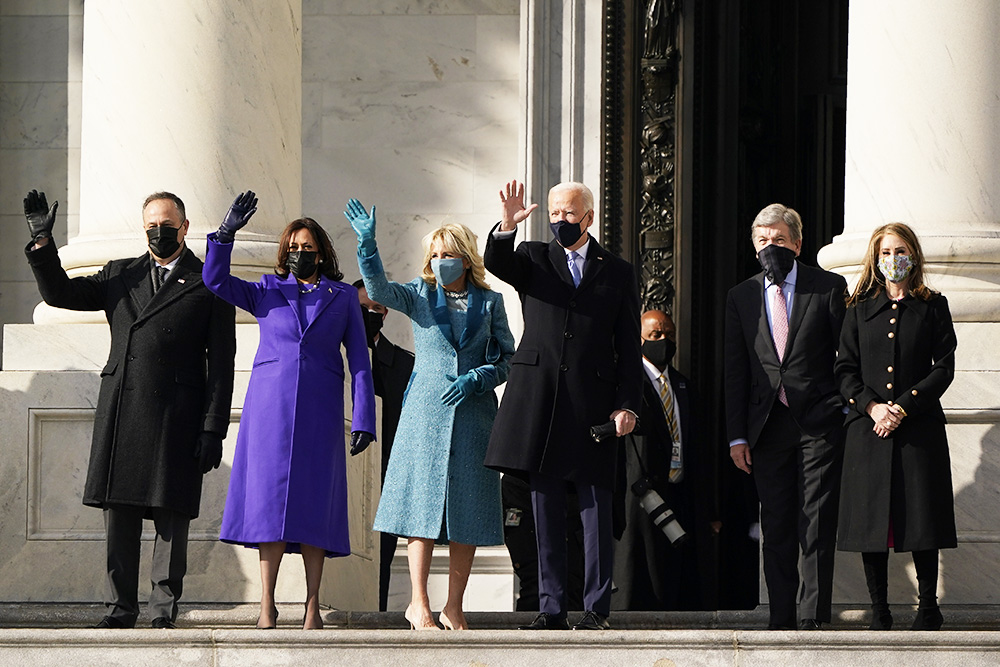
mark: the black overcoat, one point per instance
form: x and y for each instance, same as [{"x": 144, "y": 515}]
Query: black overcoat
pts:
[
  {"x": 169, "y": 376},
  {"x": 904, "y": 353},
  {"x": 579, "y": 360},
  {"x": 650, "y": 573}
]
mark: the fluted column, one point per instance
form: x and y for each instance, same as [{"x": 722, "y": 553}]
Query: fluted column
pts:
[
  {"x": 199, "y": 98},
  {"x": 923, "y": 147}
]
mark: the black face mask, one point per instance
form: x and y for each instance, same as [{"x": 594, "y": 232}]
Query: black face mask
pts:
[
  {"x": 777, "y": 261},
  {"x": 163, "y": 241},
  {"x": 566, "y": 233},
  {"x": 373, "y": 324},
  {"x": 302, "y": 263},
  {"x": 659, "y": 352}
]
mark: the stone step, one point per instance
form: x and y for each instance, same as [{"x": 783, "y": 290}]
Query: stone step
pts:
[{"x": 510, "y": 648}]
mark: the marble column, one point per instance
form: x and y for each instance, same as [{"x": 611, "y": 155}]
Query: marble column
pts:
[
  {"x": 203, "y": 99},
  {"x": 923, "y": 147}
]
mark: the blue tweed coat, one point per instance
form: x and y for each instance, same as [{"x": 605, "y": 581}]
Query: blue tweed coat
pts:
[{"x": 436, "y": 484}]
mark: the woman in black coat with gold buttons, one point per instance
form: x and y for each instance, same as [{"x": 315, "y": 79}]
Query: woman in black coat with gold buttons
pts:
[{"x": 897, "y": 357}]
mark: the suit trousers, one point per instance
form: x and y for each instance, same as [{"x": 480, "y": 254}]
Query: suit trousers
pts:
[
  {"x": 548, "y": 501},
  {"x": 123, "y": 524},
  {"x": 798, "y": 482},
  {"x": 387, "y": 550}
]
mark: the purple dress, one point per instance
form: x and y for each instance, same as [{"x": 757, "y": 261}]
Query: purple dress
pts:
[{"x": 289, "y": 482}]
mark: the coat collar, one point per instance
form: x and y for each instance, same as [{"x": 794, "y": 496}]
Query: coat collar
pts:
[
  {"x": 185, "y": 276},
  {"x": 873, "y": 306},
  {"x": 596, "y": 261},
  {"x": 473, "y": 318},
  {"x": 328, "y": 291}
]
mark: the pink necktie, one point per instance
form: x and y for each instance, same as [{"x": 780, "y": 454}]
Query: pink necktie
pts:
[{"x": 779, "y": 331}]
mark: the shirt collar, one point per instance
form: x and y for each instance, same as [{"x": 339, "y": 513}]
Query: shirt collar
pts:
[
  {"x": 581, "y": 251},
  {"x": 169, "y": 267},
  {"x": 652, "y": 371},
  {"x": 789, "y": 279}
]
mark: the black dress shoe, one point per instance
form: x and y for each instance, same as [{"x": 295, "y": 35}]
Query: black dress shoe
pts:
[
  {"x": 110, "y": 622},
  {"x": 162, "y": 623},
  {"x": 928, "y": 619},
  {"x": 546, "y": 622},
  {"x": 809, "y": 624},
  {"x": 592, "y": 621},
  {"x": 881, "y": 618}
]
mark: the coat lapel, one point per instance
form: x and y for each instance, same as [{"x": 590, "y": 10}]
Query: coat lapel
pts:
[
  {"x": 594, "y": 264},
  {"x": 804, "y": 294},
  {"x": 185, "y": 276},
  {"x": 474, "y": 315},
  {"x": 439, "y": 309},
  {"x": 328, "y": 293},
  {"x": 289, "y": 288},
  {"x": 766, "y": 349},
  {"x": 139, "y": 282},
  {"x": 557, "y": 256}
]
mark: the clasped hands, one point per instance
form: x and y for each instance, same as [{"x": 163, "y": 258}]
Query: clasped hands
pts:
[{"x": 886, "y": 417}]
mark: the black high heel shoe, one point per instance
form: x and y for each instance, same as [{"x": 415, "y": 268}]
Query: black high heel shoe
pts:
[
  {"x": 881, "y": 618},
  {"x": 268, "y": 627}
]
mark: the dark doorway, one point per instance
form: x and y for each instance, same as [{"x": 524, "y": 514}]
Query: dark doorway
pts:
[{"x": 755, "y": 113}]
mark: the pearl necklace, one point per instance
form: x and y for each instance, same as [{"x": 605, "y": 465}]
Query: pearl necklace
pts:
[
  {"x": 457, "y": 295},
  {"x": 313, "y": 287}
]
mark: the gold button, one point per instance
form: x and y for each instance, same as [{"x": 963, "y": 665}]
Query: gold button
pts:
[
  {"x": 892, "y": 335},
  {"x": 914, "y": 392},
  {"x": 851, "y": 401},
  {"x": 889, "y": 369},
  {"x": 888, "y": 385},
  {"x": 892, "y": 321},
  {"x": 895, "y": 306}
]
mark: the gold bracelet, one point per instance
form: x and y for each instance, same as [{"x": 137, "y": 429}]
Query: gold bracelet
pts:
[{"x": 901, "y": 410}]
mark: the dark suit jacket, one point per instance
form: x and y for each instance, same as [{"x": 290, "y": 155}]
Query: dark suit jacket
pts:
[
  {"x": 391, "y": 370},
  {"x": 753, "y": 372},
  {"x": 169, "y": 376},
  {"x": 579, "y": 360},
  {"x": 650, "y": 573}
]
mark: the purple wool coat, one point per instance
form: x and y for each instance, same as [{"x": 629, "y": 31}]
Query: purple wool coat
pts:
[{"x": 289, "y": 482}]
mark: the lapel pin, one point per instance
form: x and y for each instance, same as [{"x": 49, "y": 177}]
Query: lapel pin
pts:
[
  {"x": 330, "y": 290},
  {"x": 180, "y": 280}
]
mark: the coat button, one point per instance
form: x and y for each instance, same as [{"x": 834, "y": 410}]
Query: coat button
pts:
[
  {"x": 302, "y": 357},
  {"x": 567, "y": 335},
  {"x": 563, "y": 367},
  {"x": 888, "y": 385},
  {"x": 895, "y": 306},
  {"x": 851, "y": 401},
  {"x": 889, "y": 369},
  {"x": 572, "y": 304},
  {"x": 892, "y": 320},
  {"x": 914, "y": 392},
  {"x": 892, "y": 335}
]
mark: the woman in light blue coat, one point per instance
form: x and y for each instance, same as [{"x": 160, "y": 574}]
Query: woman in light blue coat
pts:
[{"x": 436, "y": 487}]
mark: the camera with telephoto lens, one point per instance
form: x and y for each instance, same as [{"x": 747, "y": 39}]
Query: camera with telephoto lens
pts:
[
  {"x": 604, "y": 431},
  {"x": 663, "y": 517}
]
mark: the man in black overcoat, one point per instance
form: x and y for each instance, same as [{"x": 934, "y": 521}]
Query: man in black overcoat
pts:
[
  {"x": 783, "y": 406},
  {"x": 164, "y": 403},
  {"x": 578, "y": 365},
  {"x": 650, "y": 573},
  {"x": 392, "y": 366}
]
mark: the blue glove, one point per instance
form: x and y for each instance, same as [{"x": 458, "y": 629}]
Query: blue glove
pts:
[
  {"x": 461, "y": 388},
  {"x": 360, "y": 441},
  {"x": 363, "y": 225},
  {"x": 239, "y": 214}
]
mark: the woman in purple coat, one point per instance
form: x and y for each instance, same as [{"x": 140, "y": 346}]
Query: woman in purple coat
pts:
[{"x": 288, "y": 486}]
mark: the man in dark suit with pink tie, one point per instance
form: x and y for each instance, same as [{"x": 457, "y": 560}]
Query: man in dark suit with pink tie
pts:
[{"x": 784, "y": 414}]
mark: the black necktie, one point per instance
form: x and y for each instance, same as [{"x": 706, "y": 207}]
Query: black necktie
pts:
[{"x": 159, "y": 275}]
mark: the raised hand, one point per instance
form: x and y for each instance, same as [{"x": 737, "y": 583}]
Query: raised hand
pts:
[
  {"x": 514, "y": 211},
  {"x": 40, "y": 217},
  {"x": 461, "y": 388},
  {"x": 239, "y": 214},
  {"x": 363, "y": 225},
  {"x": 360, "y": 441}
]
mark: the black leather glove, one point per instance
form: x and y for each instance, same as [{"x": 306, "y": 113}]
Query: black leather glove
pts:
[
  {"x": 40, "y": 217},
  {"x": 239, "y": 214},
  {"x": 360, "y": 441},
  {"x": 208, "y": 451}
]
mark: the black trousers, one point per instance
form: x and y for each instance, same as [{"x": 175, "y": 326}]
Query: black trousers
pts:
[
  {"x": 123, "y": 524},
  {"x": 798, "y": 482}
]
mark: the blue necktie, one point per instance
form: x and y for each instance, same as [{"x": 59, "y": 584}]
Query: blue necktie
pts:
[{"x": 574, "y": 269}]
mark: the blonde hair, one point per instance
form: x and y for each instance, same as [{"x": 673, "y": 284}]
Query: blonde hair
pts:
[
  {"x": 872, "y": 282},
  {"x": 460, "y": 240}
]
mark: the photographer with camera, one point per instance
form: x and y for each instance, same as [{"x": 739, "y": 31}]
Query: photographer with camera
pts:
[{"x": 665, "y": 487}]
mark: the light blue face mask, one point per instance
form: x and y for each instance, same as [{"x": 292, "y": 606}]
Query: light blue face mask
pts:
[{"x": 447, "y": 270}]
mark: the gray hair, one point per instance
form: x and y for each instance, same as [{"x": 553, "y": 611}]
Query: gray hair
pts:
[
  {"x": 773, "y": 214},
  {"x": 586, "y": 196}
]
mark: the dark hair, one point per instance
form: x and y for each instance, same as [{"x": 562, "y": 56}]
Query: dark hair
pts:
[
  {"x": 166, "y": 195},
  {"x": 359, "y": 284},
  {"x": 328, "y": 265}
]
